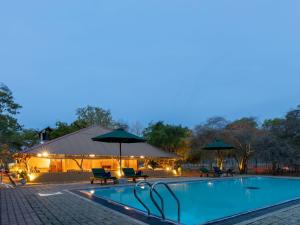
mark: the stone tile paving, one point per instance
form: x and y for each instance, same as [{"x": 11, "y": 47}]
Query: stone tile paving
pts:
[
  {"x": 23, "y": 206},
  {"x": 287, "y": 216}
]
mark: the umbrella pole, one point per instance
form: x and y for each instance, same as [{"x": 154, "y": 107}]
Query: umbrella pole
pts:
[{"x": 120, "y": 159}]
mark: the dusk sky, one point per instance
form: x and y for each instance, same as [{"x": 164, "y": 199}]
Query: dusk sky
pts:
[{"x": 176, "y": 61}]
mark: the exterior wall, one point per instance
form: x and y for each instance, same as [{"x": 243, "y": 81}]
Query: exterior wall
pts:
[{"x": 38, "y": 164}]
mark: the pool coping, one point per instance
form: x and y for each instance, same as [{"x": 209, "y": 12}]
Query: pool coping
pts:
[{"x": 142, "y": 216}]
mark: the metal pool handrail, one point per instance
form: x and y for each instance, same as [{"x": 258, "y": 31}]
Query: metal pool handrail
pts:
[
  {"x": 161, "y": 210},
  {"x": 138, "y": 198}
]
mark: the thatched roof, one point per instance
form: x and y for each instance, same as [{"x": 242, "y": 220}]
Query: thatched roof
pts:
[{"x": 80, "y": 143}]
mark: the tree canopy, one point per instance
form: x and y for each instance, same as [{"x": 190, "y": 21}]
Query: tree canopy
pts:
[{"x": 171, "y": 138}]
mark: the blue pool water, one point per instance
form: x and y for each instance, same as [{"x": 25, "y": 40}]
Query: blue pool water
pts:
[{"x": 203, "y": 201}]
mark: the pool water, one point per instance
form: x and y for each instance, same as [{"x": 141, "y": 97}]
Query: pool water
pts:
[{"x": 203, "y": 201}]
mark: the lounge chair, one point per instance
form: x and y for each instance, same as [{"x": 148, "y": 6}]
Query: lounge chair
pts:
[
  {"x": 131, "y": 174},
  {"x": 229, "y": 172},
  {"x": 100, "y": 174},
  {"x": 217, "y": 172},
  {"x": 204, "y": 171}
]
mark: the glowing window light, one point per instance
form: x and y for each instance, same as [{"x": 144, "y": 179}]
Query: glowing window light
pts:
[{"x": 92, "y": 155}]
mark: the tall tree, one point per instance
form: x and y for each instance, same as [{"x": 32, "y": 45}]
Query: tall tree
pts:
[
  {"x": 292, "y": 126},
  {"x": 243, "y": 134},
  {"x": 205, "y": 133},
  {"x": 62, "y": 129},
  {"x": 87, "y": 116},
  {"x": 276, "y": 151},
  {"x": 91, "y": 115},
  {"x": 8, "y": 123},
  {"x": 171, "y": 138}
]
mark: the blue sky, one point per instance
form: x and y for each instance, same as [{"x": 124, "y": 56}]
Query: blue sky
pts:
[{"x": 177, "y": 61}]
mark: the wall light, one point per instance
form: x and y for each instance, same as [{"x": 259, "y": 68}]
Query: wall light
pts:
[
  {"x": 142, "y": 157},
  {"x": 39, "y": 155},
  {"x": 131, "y": 156},
  {"x": 92, "y": 155},
  {"x": 45, "y": 154}
]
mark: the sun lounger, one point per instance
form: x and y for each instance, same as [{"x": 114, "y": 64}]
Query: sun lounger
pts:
[
  {"x": 100, "y": 174},
  {"x": 217, "y": 172},
  {"x": 131, "y": 174},
  {"x": 204, "y": 171}
]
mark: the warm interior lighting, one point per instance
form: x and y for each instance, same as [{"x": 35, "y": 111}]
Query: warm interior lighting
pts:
[
  {"x": 39, "y": 155},
  {"x": 92, "y": 155},
  {"x": 168, "y": 169},
  {"x": 45, "y": 154},
  {"x": 131, "y": 156},
  {"x": 142, "y": 156}
]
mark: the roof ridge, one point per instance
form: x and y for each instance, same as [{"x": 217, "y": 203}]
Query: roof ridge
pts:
[{"x": 61, "y": 137}]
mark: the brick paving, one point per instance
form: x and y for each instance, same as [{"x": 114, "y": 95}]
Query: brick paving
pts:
[{"x": 23, "y": 206}]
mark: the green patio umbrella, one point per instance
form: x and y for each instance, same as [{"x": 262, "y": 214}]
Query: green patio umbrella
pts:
[
  {"x": 119, "y": 136},
  {"x": 219, "y": 146}
]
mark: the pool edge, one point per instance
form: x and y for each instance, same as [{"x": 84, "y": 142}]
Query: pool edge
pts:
[{"x": 152, "y": 220}]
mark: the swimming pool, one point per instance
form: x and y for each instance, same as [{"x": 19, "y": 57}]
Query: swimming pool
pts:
[{"x": 203, "y": 201}]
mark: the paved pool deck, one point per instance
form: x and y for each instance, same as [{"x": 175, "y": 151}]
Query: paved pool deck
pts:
[{"x": 24, "y": 206}]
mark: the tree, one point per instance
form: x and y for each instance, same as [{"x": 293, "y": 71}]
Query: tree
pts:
[
  {"x": 62, "y": 129},
  {"x": 242, "y": 134},
  {"x": 87, "y": 116},
  {"x": 91, "y": 115},
  {"x": 292, "y": 126},
  {"x": 205, "y": 133},
  {"x": 171, "y": 138},
  {"x": 8, "y": 123},
  {"x": 278, "y": 152}
]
